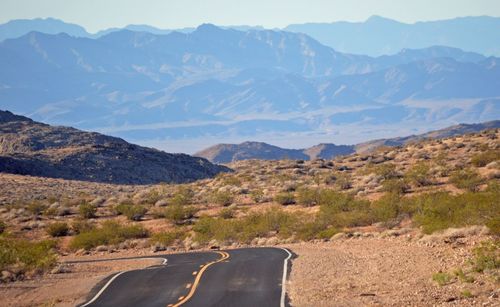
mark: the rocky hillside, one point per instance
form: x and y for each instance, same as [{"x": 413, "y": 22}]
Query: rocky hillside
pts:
[
  {"x": 225, "y": 153},
  {"x": 32, "y": 148}
]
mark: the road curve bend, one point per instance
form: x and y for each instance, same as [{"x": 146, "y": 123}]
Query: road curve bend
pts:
[{"x": 239, "y": 277}]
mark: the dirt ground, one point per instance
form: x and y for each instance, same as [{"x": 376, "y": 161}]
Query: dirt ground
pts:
[{"x": 394, "y": 271}]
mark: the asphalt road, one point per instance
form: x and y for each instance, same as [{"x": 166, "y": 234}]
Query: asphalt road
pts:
[{"x": 241, "y": 277}]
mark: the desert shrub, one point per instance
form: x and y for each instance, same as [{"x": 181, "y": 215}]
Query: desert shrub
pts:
[
  {"x": 167, "y": 238},
  {"x": 231, "y": 180},
  {"x": 273, "y": 221},
  {"x": 110, "y": 232},
  {"x": 3, "y": 226},
  {"x": 482, "y": 159},
  {"x": 79, "y": 226},
  {"x": 36, "y": 208},
  {"x": 487, "y": 256},
  {"x": 257, "y": 195},
  {"x": 386, "y": 208},
  {"x": 343, "y": 182},
  {"x": 132, "y": 212},
  {"x": 58, "y": 229},
  {"x": 398, "y": 186},
  {"x": 494, "y": 226},
  {"x": 342, "y": 210},
  {"x": 308, "y": 196},
  {"x": 467, "y": 179},
  {"x": 442, "y": 278},
  {"x": 223, "y": 198},
  {"x": 87, "y": 210},
  {"x": 419, "y": 174},
  {"x": 462, "y": 276},
  {"x": 386, "y": 170},
  {"x": 284, "y": 198},
  {"x": 183, "y": 197},
  {"x": 441, "y": 210},
  {"x": 26, "y": 255},
  {"x": 179, "y": 214},
  {"x": 227, "y": 213}
]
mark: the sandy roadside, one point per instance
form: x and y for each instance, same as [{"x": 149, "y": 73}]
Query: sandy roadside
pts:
[{"x": 394, "y": 271}]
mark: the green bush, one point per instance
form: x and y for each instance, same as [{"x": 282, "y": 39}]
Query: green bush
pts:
[
  {"x": 284, "y": 198},
  {"x": 167, "y": 238},
  {"x": 183, "y": 197},
  {"x": 487, "y": 256},
  {"x": 386, "y": 208},
  {"x": 36, "y": 208},
  {"x": 223, "y": 198},
  {"x": 271, "y": 222},
  {"x": 343, "y": 182},
  {"x": 132, "y": 212},
  {"x": 79, "y": 226},
  {"x": 257, "y": 195},
  {"x": 58, "y": 229},
  {"x": 179, "y": 214},
  {"x": 442, "y": 278},
  {"x": 467, "y": 179},
  {"x": 397, "y": 186},
  {"x": 420, "y": 175},
  {"x": 437, "y": 211},
  {"x": 227, "y": 213},
  {"x": 110, "y": 232},
  {"x": 308, "y": 196},
  {"x": 87, "y": 210},
  {"x": 482, "y": 159},
  {"x": 26, "y": 255},
  {"x": 386, "y": 170}
]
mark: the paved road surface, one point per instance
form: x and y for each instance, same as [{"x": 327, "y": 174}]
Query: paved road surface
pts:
[{"x": 241, "y": 277}]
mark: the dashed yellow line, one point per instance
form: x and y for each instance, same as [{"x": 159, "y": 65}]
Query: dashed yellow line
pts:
[{"x": 182, "y": 299}]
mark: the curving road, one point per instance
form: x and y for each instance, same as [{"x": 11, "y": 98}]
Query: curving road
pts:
[{"x": 240, "y": 277}]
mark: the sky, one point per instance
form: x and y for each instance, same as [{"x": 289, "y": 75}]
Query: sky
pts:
[{"x": 95, "y": 15}]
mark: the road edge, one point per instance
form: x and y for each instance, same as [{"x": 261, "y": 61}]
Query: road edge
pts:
[{"x": 284, "y": 279}]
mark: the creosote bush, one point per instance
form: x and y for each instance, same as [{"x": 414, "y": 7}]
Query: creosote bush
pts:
[
  {"x": 420, "y": 175},
  {"x": 482, "y": 159},
  {"x": 179, "y": 214},
  {"x": 58, "y": 229},
  {"x": 87, "y": 211},
  {"x": 223, "y": 198},
  {"x": 110, "y": 232},
  {"x": 284, "y": 198},
  {"x": 24, "y": 255},
  {"x": 131, "y": 211},
  {"x": 168, "y": 238},
  {"x": 467, "y": 179}
]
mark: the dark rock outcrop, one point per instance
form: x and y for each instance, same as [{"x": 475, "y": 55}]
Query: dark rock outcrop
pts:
[{"x": 31, "y": 148}]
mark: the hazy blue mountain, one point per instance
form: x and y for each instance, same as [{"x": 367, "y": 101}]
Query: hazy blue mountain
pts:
[
  {"x": 20, "y": 27},
  {"x": 378, "y": 36},
  {"x": 225, "y": 84}
]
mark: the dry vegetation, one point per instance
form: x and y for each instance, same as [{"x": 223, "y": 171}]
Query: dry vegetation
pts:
[{"x": 422, "y": 189}]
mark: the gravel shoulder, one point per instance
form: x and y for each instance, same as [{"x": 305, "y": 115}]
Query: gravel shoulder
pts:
[{"x": 392, "y": 271}]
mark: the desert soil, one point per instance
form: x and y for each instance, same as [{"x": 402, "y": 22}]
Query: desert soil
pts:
[{"x": 394, "y": 271}]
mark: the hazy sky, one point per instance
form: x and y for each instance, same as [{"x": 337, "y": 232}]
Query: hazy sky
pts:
[{"x": 96, "y": 15}]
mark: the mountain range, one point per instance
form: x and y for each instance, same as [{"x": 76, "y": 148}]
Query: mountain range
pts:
[
  {"x": 180, "y": 91},
  {"x": 375, "y": 36},
  {"x": 32, "y": 148},
  {"x": 226, "y": 153}
]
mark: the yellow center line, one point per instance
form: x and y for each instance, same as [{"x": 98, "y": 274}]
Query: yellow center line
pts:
[{"x": 182, "y": 299}]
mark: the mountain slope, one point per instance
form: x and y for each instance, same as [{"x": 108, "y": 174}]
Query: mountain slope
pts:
[
  {"x": 378, "y": 36},
  {"x": 31, "y": 148},
  {"x": 226, "y": 153},
  {"x": 231, "y": 86}
]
